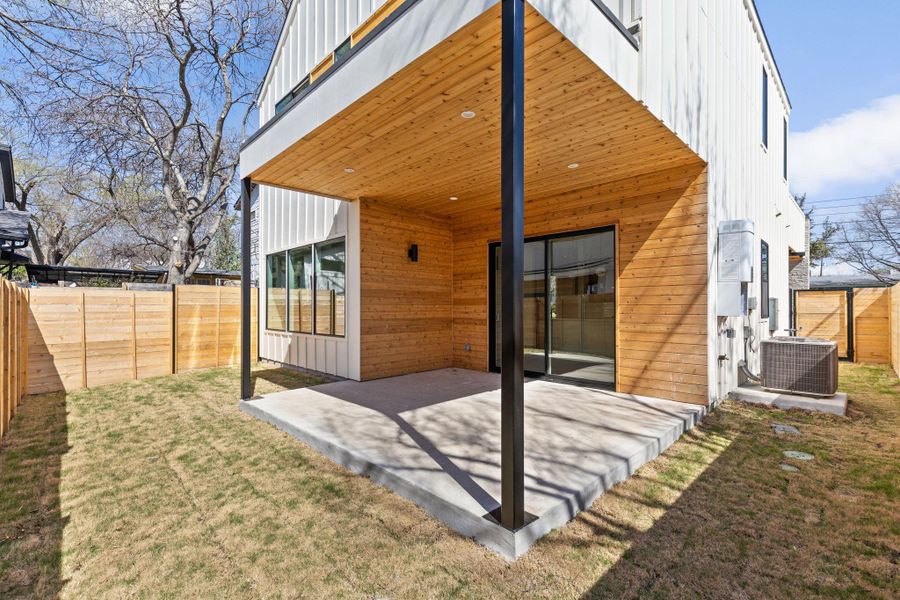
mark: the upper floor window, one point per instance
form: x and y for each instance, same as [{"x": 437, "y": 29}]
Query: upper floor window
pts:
[
  {"x": 785, "y": 157},
  {"x": 282, "y": 104},
  {"x": 765, "y": 108}
]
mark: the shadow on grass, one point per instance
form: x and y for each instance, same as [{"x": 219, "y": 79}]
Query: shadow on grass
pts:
[
  {"x": 282, "y": 378},
  {"x": 31, "y": 522},
  {"x": 744, "y": 528}
]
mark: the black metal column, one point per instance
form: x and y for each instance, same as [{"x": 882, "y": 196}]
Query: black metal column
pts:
[
  {"x": 246, "y": 388},
  {"x": 512, "y": 170}
]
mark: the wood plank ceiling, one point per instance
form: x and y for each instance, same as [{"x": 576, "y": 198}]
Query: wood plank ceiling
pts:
[{"x": 409, "y": 145}]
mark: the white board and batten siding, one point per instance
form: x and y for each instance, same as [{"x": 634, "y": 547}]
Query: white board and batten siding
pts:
[
  {"x": 312, "y": 30},
  {"x": 291, "y": 220},
  {"x": 287, "y": 219}
]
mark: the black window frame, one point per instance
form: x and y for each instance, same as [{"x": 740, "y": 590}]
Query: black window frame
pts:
[
  {"x": 286, "y": 254},
  {"x": 315, "y": 282},
  {"x": 285, "y": 101},
  {"x": 492, "y": 306},
  {"x": 785, "y": 157},
  {"x": 763, "y": 279},
  {"x": 765, "y": 108}
]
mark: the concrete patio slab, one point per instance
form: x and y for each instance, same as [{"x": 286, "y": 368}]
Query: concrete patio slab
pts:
[
  {"x": 434, "y": 438},
  {"x": 754, "y": 394}
]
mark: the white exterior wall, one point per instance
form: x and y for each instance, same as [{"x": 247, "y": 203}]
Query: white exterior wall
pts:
[
  {"x": 290, "y": 220},
  {"x": 701, "y": 74},
  {"x": 313, "y": 29}
]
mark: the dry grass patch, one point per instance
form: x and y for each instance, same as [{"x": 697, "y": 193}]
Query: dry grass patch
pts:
[{"x": 163, "y": 488}]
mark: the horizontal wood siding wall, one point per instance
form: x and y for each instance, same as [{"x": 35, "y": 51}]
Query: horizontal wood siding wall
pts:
[
  {"x": 84, "y": 338},
  {"x": 662, "y": 276},
  {"x": 406, "y": 319},
  {"x": 13, "y": 348}
]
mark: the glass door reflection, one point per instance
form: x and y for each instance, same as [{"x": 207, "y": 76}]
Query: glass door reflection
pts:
[{"x": 582, "y": 307}]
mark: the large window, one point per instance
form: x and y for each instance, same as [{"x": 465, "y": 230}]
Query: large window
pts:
[
  {"x": 330, "y": 295},
  {"x": 765, "y": 108},
  {"x": 306, "y": 289},
  {"x": 276, "y": 286},
  {"x": 764, "y": 281},
  {"x": 300, "y": 277}
]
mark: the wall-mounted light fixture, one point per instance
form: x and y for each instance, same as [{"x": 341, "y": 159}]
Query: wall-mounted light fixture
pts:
[{"x": 413, "y": 253}]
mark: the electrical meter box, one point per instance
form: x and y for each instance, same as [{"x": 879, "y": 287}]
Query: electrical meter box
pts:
[{"x": 737, "y": 243}]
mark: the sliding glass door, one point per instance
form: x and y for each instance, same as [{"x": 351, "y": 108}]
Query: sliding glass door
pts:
[
  {"x": 535, "y": 307},
  {"x": 569, "y": 303}
]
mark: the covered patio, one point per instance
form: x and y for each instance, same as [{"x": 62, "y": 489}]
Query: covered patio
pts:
[
  {"x": 458, "y": 126},
  {"x": 434, "y": 438}
]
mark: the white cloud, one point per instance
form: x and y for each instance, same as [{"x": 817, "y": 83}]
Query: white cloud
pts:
[{"x": 858, "y": 147}]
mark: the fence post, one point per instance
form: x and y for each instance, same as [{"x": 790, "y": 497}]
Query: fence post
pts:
[
  {"x": 26, "y": 294},
  {"x": 174, "y": 329},
  {"x": 13, "y": 343},
  {"x": 134, "y": 368},
  {"x": 218, "y": 323},
  {"x": 4, "y": 349},
  {"x": 84, "y": 380}
]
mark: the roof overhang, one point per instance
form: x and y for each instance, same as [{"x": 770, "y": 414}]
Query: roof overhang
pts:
[
  {"x": 387, "y": 125},
  {"x": 13, "y": 228}
]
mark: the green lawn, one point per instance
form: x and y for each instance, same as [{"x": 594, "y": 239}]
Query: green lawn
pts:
[{"x": 164, "y": 489}]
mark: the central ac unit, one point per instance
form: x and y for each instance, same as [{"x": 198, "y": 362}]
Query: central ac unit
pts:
[{"x": 802, "y": 365}]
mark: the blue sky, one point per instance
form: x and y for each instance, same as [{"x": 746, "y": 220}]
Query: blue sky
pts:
[{"x": 841, "y": 64}]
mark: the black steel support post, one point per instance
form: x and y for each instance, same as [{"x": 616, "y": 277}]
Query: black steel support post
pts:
[
  {"x": 512, "y": 170},
  {"x": 246, "y": 388}
]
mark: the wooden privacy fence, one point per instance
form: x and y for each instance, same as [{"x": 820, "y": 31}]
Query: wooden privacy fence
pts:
[
  {"x": 860, "y": 320},
  {"x": 13, "y": 341},
  {"x": 80, "y": 338}
]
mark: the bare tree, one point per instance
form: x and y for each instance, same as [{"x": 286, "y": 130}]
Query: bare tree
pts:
[
  {"x": 64, "y": 210},
  {"x": 821, "y": 246},
  {"x": 871, "y": 241},
  {"x": 155, "y": 91}
]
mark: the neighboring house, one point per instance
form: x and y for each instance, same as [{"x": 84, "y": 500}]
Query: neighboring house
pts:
[
  {"x": 13, "y": 223},
  {"x": 649, "y": 126}
]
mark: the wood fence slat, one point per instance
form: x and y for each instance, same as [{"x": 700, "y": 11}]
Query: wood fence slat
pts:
[
  {"x": 76, "y": 338},
  {"x": 13, "y": 310}
]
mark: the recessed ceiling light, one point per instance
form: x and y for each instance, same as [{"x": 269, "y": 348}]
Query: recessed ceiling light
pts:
[
  {"x": 574, "y": 166},
  {"x": 467, "y": 114},
  {"x": 454, "y": 198},
  {"x": 349, "y": 170}
]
